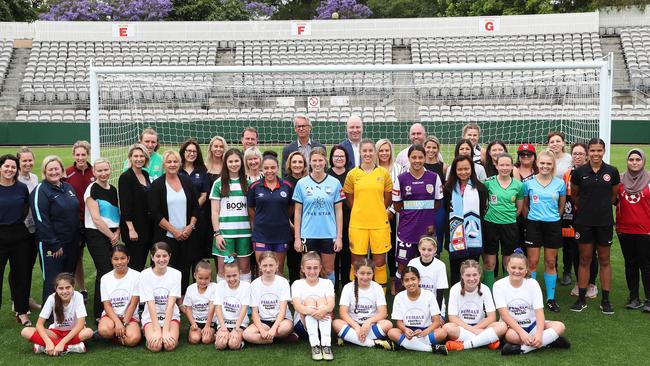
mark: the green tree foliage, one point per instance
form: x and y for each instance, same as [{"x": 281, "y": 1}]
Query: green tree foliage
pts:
[
  {"x": 295, "y": 9},
  {"x": 17, "y": 11},
  {"x": 197, "y": 10}
]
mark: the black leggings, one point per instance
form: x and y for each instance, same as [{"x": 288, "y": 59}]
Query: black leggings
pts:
[
  {"x": 636, "y": 253},
  {"x": 15, "y": 242},
  {"x": 99, "y": 247}
]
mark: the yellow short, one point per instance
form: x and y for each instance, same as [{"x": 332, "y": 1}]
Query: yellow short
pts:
[{"x": 378, "y": 240}]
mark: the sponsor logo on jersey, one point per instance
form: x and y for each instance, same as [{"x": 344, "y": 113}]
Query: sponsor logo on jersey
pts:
[
  {"x": 309, "y": 191},
  {"x": 577, "y": 236},
  {"x": 607, "y": 177},
  {"x": 283, "y": 194},
  {"x": 535, "y": 198},
  {"x": 328, "y": 190}
]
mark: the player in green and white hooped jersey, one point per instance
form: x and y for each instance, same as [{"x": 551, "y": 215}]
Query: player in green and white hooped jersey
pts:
[{"x": 232, "y": 229}]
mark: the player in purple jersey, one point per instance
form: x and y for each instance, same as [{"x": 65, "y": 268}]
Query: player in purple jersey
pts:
[{"x": 417, "y": 194}]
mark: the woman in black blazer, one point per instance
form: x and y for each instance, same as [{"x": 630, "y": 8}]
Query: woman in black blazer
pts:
[
  {"x": 174, "y": 207},
  {"x": 135, "y": 224}
]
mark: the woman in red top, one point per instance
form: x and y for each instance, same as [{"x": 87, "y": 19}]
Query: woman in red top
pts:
[{"x": 633, "y": 227}]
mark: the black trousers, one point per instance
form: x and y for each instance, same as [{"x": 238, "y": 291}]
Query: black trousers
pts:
[
  {"x": 636, "y": 253},
  {"x": 343, "y": 259},
  {"x": 180, "y": 258},
  {"x": 99, "y": 247},
  {"x": 15, "y": 248},
  {"x": 139, "y": 249}
]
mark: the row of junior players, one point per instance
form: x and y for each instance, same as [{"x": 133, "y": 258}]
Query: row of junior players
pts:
[{"x": 362, "y": 320}]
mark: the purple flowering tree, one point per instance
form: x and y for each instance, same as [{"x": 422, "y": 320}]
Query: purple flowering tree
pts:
[
  {"x": 346, "y": 9},
  {"x": 259, "y": 10},
  {"x": 94, "y": 10}
]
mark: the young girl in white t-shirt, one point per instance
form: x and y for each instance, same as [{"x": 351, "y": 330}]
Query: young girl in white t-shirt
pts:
[
  {"x": 418, "y": 317},
  {"x": 231, "y": 301},
  {"x": 520, "y": 303},
  {"x": 313, "y": 300},
  {"x": 363, "y": 310},
  {"x": 472, "y": 315},
  {"x": 68, "y": 331},
  {"x": 198, "y": 306},
  {"x": 270, "y": 296},
  {"x": 120, "y": 297},
  {"x": 433, "y": 273},
  {"x": 160, "y": 287}
]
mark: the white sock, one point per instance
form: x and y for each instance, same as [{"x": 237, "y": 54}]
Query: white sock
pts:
[
  {"x": 219, "y": 279},
  {"x": 325, "y": 326},
  {"x": 246, "y": 277},
  {"x": 311, "y": 324},
  {"x": 465, "y": 335},
  {"x": 482, "y": 339},
  {"x": 549, "y": 336},
  {"x": 352, "y": 337},
  {"x": 416, "y": 344}
]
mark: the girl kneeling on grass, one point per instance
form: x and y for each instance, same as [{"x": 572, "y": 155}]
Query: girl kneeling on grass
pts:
[
  {"x": 363, "y": 310},
  {"x": 160, "y": 287},
  {"x": 472, "y": 316},
  {"x": 313, "y": 299},
  {"x": 418, "y": 317},
  {"x": 197, "y": 305},
  {"x": 231, "y": 300},
  {"x": 68, "y": 331},
  {"x": 433, "y": 273},
  {"x": 518, "y": 298},
  {"x": 120, "y": 296},
  {"x": 270, "y": 296}
]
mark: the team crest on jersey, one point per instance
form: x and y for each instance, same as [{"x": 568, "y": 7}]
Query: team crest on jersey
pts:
[
  {"x": 309, "y": 191},
  {"x": 197, "y": 175},
  {"x": 328, "y": 190},
  {"x": 513, "y": 198},
  {"x": 408, "y": 190},
  {"x": 71, "y": 194},
  {"x": 632, "y": 198},
  {"x": 429, "y": 188},
  {"x": 493, "y": 198},
  {"x": 283, "y": 194},
  {"x": 607, "y": 177},
  {"x": 535, "y": 198},
  {"x": 577, "y": 235}
]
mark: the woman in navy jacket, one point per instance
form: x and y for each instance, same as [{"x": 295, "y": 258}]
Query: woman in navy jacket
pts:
[
  {"x": 174, "y": 207},
  {"x": 55, "y": 208}
]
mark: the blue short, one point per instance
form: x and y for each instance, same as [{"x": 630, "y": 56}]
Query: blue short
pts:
[{"x": 264, "y": 247}]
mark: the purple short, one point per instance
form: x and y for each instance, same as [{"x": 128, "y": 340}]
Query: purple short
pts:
[
  {"x": 263, "y": 247},
  {"x": 404, "y": 252}
]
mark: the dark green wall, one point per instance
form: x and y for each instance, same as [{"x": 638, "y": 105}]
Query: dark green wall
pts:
[{"x": 49, "y": 133}]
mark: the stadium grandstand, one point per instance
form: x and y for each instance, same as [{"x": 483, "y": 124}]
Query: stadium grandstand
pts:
[{"x": 44, "y": 69}]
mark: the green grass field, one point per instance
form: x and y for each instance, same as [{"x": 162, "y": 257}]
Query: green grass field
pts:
[{"x": 622, "y": 338}]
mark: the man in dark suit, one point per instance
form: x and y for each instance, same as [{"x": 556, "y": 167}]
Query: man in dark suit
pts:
[
  {"x": 304, "y": 143},
  {"x": 351, "y": 144}
]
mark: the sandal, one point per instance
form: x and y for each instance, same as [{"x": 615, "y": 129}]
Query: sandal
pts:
[{"x": 26, "y": 323}]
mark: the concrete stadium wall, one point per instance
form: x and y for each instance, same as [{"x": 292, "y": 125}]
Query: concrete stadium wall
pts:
[
  {"x": 51, "y": 133},
  {"x": 320, "y": 29}
]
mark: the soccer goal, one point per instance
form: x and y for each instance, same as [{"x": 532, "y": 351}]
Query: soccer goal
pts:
[{"x": 514, "y": 102}]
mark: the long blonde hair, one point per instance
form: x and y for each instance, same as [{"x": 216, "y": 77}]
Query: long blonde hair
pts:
[
  {"x": 378, "y": 145},
  {"x": 210, "y": 158}
]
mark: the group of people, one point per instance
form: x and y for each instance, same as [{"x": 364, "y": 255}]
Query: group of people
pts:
[{"x": 353, "y": 218}]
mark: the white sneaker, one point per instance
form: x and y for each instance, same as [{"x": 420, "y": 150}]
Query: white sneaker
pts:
[
  {"x": 77, "y": 348},
  {"x": 39, "y": 349},
  {"x": 592, "y": 291},
  {"x": 574, "y": 291}
]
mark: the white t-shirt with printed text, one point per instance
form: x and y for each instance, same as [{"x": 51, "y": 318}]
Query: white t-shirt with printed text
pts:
[
  {"x": 321, "y": 290},
  {"x": 159, "y": 289},
  {"x": 73, "y": 311},
  {"x": 120, "y": 291},
  {"x": 418, "y": 313},
  {"x": 433, "y": 276},
  {"x": 471, "y": 307},
  {"x": 267, "y": 298},
  {"x": 521, "y": 301},
  {"x": 232, "y": 301},
  {"x": 369, "y": 300},
  {"x": 200, "y": 302}
]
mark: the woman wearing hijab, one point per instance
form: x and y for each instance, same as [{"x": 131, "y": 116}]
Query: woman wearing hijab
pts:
[{"x": 633, "y": 226}]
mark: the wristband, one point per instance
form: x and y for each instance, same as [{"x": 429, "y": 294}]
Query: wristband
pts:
[{"x": 217, "y": 232}]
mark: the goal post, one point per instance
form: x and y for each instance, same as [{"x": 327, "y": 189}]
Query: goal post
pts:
[{"x": 514, "y": 102}]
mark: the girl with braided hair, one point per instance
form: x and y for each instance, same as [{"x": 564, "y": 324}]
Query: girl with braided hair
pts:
[
  {"x": 472, "y": 315},
  {"x": 362, "y": 310}
]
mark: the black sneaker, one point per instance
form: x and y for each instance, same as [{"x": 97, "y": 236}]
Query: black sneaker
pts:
[
  {"x": 646, "y": 306},
  {"x": 578, "y": 306},
  {"x": 510, "y": 349},
  {"x": 560, "y": 342},
  {"x": 440, "y": 349},
  {"x": 634, "y": 304},
  {"x": 566, "y": 279},
  {"x": 553, "y": 306},
  {"x": 606, "y": 308}
]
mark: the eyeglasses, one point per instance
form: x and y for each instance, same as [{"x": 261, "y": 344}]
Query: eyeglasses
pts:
[
  {"x": 338, "y": 157},
  {"x": 578, "y": 154},
  {"x": 190, "y": 152},
  {"x": 526, "y": 155},
  {"x": 299, "y": 127}
]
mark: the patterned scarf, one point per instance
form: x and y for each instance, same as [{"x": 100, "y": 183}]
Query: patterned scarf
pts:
[{"x": 465, "y": 223}]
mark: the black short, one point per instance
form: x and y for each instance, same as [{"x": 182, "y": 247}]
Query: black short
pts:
[
  {"x": 202, "y": 325},
  {"x": 325, "y": 246},
  {"x": 505, "y": 234},
  {"x": 269, "y": 323},
  {"x": 544, "y": 234},
  {"x": 598, "y": 235}
]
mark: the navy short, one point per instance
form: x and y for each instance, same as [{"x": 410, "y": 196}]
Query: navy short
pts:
[
  {"x": 598, "y": 235},
  {"x": 544, "y": 234},
  {"x": 325, "y": 246}
]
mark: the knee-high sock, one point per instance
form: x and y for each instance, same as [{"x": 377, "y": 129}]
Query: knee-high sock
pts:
[
  {"x": 549, "y": 336},
  {"x": 533, "y": 274},
  {"x": 414, "y": 344},
  {"x": 350, "y": 335},
  {"x": 550, "y": 281},
  {"x": 488, "y": 277},
  {"x": 381, "y": 276},
  {"x": 246, "y": 277},
  {"x": 312, "y": 329},
  {"x": 482, "y": 339},
  {"x": 332, "y": 277},
  {"x": 465, "y": 335},
  {"x": 325, "y": 326}
]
